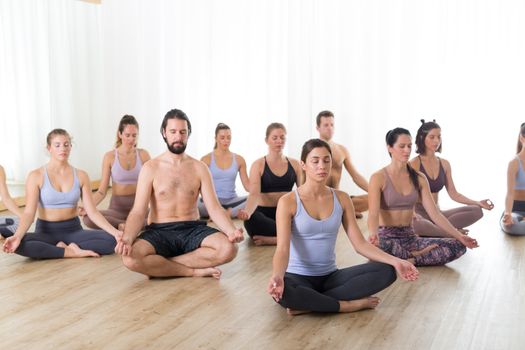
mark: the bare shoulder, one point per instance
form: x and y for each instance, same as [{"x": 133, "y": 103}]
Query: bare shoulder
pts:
[
  {"x": 239, "y": 159},
  {"x": 109, "y": 156},
  {"x": 445, "y": 163},
  {"x": 288, "y": 202},
  {"x": 258, "y": 164},
  {"x": 415, "y": 163},
  {"x": 144, "y": 155},
  {"x": 514, "y": 164},
  {"x": 378, "y": 175},
  {"x": 206, "y": 159},
  {"x": 343, "y": 197},
  {"x": 295, "y": 163}
]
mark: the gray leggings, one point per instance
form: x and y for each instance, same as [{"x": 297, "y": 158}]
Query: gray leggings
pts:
[
  {"x": 42, "y": 243},
  {"x": 323, "y": 293},
  {"x": 518, "y": 224},
  {"x": 459, "y": 218},
  {"x": 234, "y": 203},
  {"x": 8, "y": 225}
]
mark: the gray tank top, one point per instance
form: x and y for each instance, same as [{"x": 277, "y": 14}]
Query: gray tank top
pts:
[{"x": 312, "y": 246}]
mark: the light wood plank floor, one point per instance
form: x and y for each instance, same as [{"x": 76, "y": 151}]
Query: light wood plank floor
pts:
[{"x": 476, "y": 302}]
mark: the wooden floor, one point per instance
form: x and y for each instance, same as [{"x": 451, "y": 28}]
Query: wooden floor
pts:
[{"x": 477, "y": 302}]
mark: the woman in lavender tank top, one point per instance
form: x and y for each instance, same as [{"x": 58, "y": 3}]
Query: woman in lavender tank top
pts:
[
  {"x": 305, "y": 277},
  {"x": 224, "y": 166},
  {"x": 439, "y": 175},
  {"x": 122, "y": 165},
  {"x": 393, "y": 193}
]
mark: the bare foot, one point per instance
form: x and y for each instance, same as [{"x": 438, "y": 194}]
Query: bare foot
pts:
[
  {"x": 358, "y": 215},
  {"x": 264, "y": 240},
  {"x": 359, "y": 304},
  {"x": 292, "y": 312},
  {"x": 61, "y": 245},
  {"x": 463, "y": 231},
  {"x": 121, "y": 226},
  {"x": 208, "y": 272},
  {"x": 74, "y": 251},
  {"x": 424, "y": 250}
]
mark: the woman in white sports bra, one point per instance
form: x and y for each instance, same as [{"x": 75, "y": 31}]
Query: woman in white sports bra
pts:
[
  {"x": 224, "y": 166},
  {"x": 512, "y": 219},
  {"x": 123, "y": 165},
  {"x": 54, "y": 191},
  {"x": 305, "y": 276}
]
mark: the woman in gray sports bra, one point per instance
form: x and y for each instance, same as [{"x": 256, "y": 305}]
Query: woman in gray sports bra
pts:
[
  {"x": 8, "y": 224},
  {"x": 54, "y": 190},
  {"x": 224, "y": 166},
  {"x": 439, "y": 175},
  {"x": 512, "y": 219},
  {"x": 392, "y": 194},
  {"x": 305, "y": 277}
]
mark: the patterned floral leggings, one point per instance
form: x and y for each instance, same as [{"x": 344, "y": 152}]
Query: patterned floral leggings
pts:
[{"x": 401, "y": 241}]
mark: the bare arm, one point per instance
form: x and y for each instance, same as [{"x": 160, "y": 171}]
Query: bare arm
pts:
[
  {"x": 217, "y": 213},
  {"x": 135, "y": 219},
  {"x": 255, "y": 191},
  {"x": 298, "y": 172},
  {"x": 6, "y": 198},
  {"x": 512, "y": 170},
  {"x": 455, "y": 195},
  {"x": 374, "y": 199},
  {"x": 404, "y": 268},
  {"x": 144, "y": 155},
  {"x": 438, "y": 218},
  {"x": 356, "y": 176},
  {"x": 91, "y": 209},
  {"x": 243, "y": 173},
  {"x": 104, "y": 180},
  {"x": 28, "y": 215},
  {"x": 286, "y": 208}
]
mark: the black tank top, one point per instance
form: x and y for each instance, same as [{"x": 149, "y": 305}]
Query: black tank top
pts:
[{"x": 273, "y": 183}]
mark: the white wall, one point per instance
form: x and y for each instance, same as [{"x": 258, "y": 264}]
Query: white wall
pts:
[{"x": 375, "y": 64}]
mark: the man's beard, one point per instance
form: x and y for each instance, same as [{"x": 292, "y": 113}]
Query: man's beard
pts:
[{"x": 176, "y": 149}]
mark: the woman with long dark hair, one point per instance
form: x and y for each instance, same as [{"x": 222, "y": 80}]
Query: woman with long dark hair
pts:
[{"x": 393, "y": 193}]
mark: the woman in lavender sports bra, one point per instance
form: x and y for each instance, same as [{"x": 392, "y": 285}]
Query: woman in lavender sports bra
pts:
[
  {"x": 54, "y": 190},
  {"x": 305, "y": 276},
  {"x": 392, "y": 195},
  {"x": 439, "y": 174},
  {"x": 123, "y": 165},
  {"x": 512, "y": 219},
  {"x": 224, "y": 167}
]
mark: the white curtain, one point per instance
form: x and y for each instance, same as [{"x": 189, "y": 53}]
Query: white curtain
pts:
[
  {"x": 375, "y": 64},
  {"x": 50, "y": 77}
]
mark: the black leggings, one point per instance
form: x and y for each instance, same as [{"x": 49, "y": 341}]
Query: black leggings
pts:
[
  {"x": 322, "y": 293},
  {"x": 42, "y": 243},
  {"x": 262, "y": 222}
]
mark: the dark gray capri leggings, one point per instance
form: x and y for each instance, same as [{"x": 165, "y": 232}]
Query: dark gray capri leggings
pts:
[
  {"x": 42, "y": 243},
  {"x": 518, "y": 220},
  {"x": 8, "y": 225},
  {"x": 322, "y": 293}
]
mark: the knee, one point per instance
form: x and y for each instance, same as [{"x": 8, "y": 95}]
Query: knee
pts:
[
  {"x": 388, "y": 274},
  {"x": 227, "y": 252},
  {"x": 478, "y": 212},
  {"x": 132, "y": 263}
]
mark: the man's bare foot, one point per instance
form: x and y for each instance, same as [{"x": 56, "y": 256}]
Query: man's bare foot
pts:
[
  {"x": 264, "y": 240},
  {"x": 424, "y": 250},
  {"x": 358, "y": 215},
  {"x": 61, "y": 245},
  {"x": 208, "y": 272},
  {"x": 463, "y": 231},
  {"x": 74, "y": 251},
  {"x": 292, "y": 312},
  {"x": 359, "y": 304}
]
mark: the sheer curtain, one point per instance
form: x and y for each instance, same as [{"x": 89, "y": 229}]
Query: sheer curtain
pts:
[
  {"x": 376, "y": 64},
  {"x": 50, "y": 77}
]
